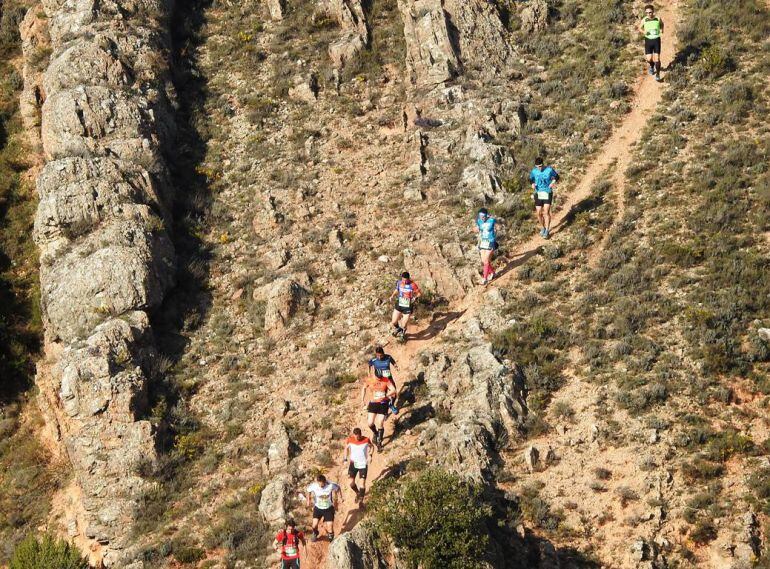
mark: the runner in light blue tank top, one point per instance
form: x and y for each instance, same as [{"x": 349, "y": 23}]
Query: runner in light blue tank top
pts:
[
  {"x": 486, "y": 227},
  {"x": 543, "y": 179}
]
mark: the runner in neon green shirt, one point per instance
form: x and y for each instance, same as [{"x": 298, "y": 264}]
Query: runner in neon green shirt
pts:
[{"x": 651, "y": 27}]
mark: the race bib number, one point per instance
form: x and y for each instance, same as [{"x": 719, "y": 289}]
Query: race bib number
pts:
[
  {"x": 385, "y": 373},
  {"x": 404, "y": 301},
  {"x": 485, "y": 244},
  {"x": 380, "y": 394},
  {"x": 324, "y": 502},
  {"x": 290, "y": 550},
  {"x": 359, "y": 464},
  {"x": 543, "y": 195}
]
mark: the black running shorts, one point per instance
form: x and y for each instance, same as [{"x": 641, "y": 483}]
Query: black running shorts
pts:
[
  {"x": 353, "y": 471},
  {"x": 492, "y": 247},
  {"x": 404, "y": 309},
  {"x": 541, "y": 203},
  {"x": 290, "y": 563},
  {"x": 326, "y": 515},
  {"x": 651, "y": 46},
  {"x": 377, "y": 408}
]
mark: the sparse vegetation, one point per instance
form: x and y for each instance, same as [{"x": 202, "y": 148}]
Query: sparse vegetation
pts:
[{"x": 27, "y": 481}]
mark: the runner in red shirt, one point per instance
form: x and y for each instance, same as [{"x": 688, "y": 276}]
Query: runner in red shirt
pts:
[{"x": 287, "y": 541}]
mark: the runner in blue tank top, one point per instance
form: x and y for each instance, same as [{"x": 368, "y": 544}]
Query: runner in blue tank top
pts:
[
  {"x": 543, "y": 180},
  {"x": 380, "y": 366},
  {"x": 486, "y": 227}
]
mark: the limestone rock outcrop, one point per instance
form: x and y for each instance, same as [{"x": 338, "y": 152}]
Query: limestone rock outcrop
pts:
[
  {"x": 443, "y": 36},
  {"x": 534, "y": 16},
  {"x": 351, "y": 17},
  {"x": 355, "y": 549},
  {"x": 484, "y": 398},
  {"x": 431, "y": 57},
  {"x": 106, "y": 256}
]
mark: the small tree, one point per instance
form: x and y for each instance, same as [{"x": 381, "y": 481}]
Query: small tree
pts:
[
  {"x": 46, "y": 553},
  {"x": 437, "y": 520}
]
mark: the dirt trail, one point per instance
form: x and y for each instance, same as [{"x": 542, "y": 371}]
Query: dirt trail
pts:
[{"x": 615, "y": 152}]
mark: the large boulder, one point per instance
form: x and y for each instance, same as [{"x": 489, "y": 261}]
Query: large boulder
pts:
[
  {"x": 272, "y": 502},
  {"x": 283, "y": 299},
  {"x": 122, "y": 267},
  {"x": 351, "y": 17},
  {"x": 480, "y": 34},
  {"x": 534, "y": 16},
  {"x": 443, "y": 36},
  {"x": 485, "y": 400},
  {"x": 99, "y": 121},
  {"x": 355, "y": 549},
  {"x": 78, "y": 194},
  {"x": 431, "y": 57},
  {"x": 101, "y": 387}
]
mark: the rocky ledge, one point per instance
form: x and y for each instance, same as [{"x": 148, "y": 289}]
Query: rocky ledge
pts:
[{"x": 106, "y": 256}]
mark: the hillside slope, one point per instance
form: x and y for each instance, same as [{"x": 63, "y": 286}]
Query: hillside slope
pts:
[{"x": 231, "y": 191}]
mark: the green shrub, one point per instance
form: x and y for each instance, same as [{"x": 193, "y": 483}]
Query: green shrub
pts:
[
  {"x": 703, "y": 532},
  {"x": 537, "y": 510},
  {"x": 438, "y": 520},
  {"x": 715, "y": 62},
  {"x": 46, "y": 553},
  {"x": 699, "y": 469}
]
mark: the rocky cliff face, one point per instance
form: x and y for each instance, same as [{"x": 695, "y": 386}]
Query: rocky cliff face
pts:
[{"x": 106, "y": 256}]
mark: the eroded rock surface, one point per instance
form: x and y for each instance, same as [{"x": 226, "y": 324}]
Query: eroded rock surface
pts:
[
  {"x": 106, "y": 256},
  {"x": 443, "y": 36}
]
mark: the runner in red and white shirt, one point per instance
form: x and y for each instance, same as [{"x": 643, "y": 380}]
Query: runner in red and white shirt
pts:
[
  {"x": 358, "y": 450},
  {"x": 288, "y": 541}
]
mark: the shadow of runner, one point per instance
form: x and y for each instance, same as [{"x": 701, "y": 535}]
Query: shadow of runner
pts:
[
  {"x": 517, "y": 261},
  {"x": 439, "y": 323},
  {"x": 354, "y": 516}
]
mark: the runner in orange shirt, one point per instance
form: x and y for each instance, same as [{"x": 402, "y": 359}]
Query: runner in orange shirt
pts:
[{"x": 383, "y": 394}]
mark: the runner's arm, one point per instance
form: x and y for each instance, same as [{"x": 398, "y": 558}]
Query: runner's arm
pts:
[
  {"x": 554, "y": 179},
  {"x": 276, "y": 543},
  {"x": 363, "y": 394},
  {"x": 661, "y": 25},
  {"x": 641, "y": 26},
  {"x": 345, "y": 453},
  {"x": 310, "y": 499}
]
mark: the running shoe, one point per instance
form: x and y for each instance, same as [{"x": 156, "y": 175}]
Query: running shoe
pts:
[
  {"x": 314, "y": 538},
  {"x": 542, "y": 232},
  {"x": 546, "y": 234}
]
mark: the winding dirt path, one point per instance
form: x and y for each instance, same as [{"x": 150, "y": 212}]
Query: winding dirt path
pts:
[{"x": 615, "y": 153}]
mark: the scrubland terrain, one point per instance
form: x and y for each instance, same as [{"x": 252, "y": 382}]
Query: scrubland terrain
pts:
[{"x": 227, "y": 194}]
